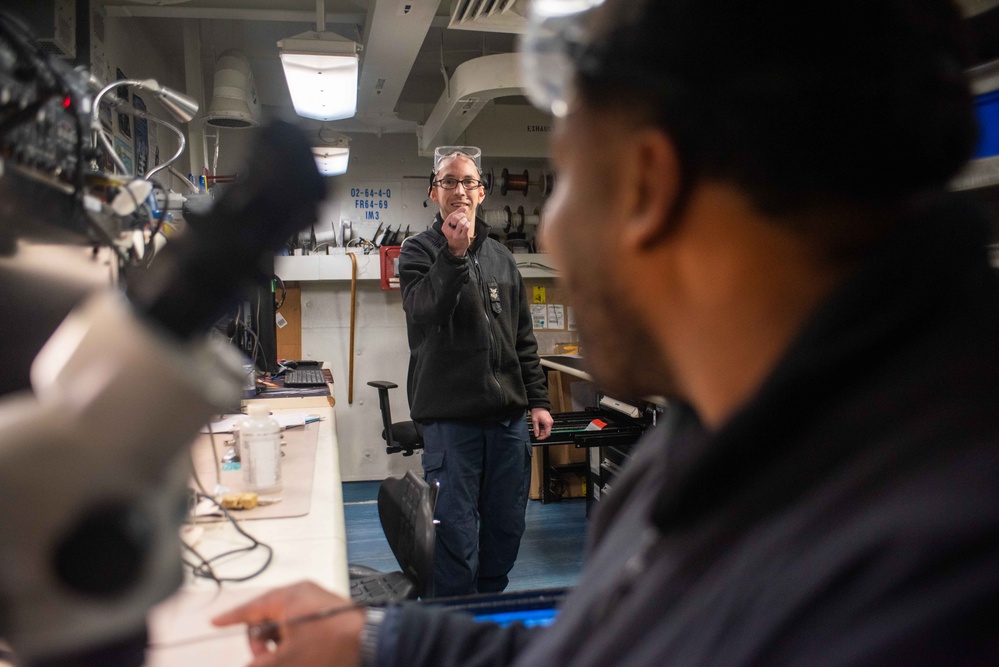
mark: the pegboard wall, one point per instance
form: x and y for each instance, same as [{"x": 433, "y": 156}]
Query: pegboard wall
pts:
[{"x": 386, "y": 183}]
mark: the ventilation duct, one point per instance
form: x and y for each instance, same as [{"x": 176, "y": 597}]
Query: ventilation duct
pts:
[
  {"x": 475, "y": 83},
  {"x": 54, "y": 24},
  {"x": 234, "y": 96},
  {"x": 489, "y": 15}
]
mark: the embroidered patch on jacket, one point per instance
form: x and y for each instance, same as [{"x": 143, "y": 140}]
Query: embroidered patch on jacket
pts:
[{"x": 494, "y": 297}]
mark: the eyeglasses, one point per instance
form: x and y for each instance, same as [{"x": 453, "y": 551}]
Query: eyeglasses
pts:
[{"x": 449, "y": 183}]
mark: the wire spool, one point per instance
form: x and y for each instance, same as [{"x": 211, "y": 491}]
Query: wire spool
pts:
[
  {"x": 488, "y": 178},
  {"x": 513, "y": 183},
  {"x": 547, "y": 183},
  {"x": 518, "y": 218},
  {"x": 538, "y": 232},
  {"x": 509, "y": 219},
  {"x": 497, "y": 219},
  {"x": 533, "y": 219},
  {"x": 515, "y": 238},
  {"x": 518, "y": 245}
]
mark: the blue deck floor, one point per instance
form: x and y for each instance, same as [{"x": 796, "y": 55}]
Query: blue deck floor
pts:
[{"x": 551, "y": 552}]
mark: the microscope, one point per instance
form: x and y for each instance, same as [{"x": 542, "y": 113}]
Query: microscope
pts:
[{"x": 106, "y": 387}]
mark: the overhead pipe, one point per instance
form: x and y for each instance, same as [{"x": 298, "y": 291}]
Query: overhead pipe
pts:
[
  {"x": 195, "y": 86},
  {"x": 473, "y": 84},
  {"x": 228, "y": 13}
]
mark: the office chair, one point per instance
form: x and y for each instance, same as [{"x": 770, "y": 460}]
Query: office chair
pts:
[
  {"x": 406, "y": 510},
  {"x": 405, "y": 437}
]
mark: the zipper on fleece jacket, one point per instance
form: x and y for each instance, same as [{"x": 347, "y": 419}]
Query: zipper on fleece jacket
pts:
[{"x": 493, "y": 355}]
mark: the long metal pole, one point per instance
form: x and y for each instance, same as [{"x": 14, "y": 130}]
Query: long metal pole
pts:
[{"x": 353, "y": 306}]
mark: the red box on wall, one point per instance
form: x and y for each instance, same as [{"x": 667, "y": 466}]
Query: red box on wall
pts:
[{"x": 389, "y": 256}]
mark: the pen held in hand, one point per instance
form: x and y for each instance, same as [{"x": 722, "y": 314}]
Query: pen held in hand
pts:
[
  {"x": 269, "y": 630},
  {"x": 263, "y": 631}
]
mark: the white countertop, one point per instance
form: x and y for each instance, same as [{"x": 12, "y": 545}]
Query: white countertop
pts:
[{"x": 311, "y": 547}]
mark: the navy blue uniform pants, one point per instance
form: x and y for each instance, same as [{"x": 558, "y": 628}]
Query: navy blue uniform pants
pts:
[{"x": 484, "y": 472}]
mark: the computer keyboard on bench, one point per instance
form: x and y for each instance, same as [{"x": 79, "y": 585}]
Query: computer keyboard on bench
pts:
[{"x": 305, "y": 377}]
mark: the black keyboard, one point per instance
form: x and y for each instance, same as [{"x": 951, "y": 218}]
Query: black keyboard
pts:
[{"x": 305, "y": 377}]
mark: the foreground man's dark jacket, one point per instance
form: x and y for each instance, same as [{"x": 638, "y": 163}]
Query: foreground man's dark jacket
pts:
[{"x": 848, "y": 514}]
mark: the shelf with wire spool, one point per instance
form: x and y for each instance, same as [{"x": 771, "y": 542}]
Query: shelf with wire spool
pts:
[{"x": 522, "y": 183}]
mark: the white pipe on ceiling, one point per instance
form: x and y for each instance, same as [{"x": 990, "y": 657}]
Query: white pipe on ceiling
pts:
[{"x": 234, "y": 14}]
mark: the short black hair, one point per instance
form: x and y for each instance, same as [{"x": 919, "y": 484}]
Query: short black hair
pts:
[{"x": 863, "y": 102}]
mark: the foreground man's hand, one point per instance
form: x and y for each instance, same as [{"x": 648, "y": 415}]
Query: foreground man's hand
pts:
[{"x": 335, "y": 640}]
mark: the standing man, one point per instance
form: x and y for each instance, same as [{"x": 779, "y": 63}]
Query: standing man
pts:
[
  {"x": 473, "y": 372},
  {"x": 752, "y": 214}
]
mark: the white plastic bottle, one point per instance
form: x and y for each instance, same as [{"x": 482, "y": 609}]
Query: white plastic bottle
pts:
[{"x": 260, "y": 449}]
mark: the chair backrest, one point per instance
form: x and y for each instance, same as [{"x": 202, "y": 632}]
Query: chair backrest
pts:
[{"x": 406, "y": 510}]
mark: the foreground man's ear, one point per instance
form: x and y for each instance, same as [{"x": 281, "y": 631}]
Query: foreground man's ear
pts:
[{"x": 655, "y": 192}]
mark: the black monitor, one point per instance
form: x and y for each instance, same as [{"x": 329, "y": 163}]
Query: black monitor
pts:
[
  {"x": 263, "y": 323},
  {"x": 250, "y": 324},
  {"x": 260, "y": 318}
]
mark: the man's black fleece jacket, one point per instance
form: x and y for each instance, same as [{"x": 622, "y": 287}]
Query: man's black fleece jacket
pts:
[{"x": 473, "y": 355}]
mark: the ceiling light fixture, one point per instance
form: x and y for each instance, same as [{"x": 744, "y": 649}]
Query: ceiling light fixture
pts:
[
  {"x": 321, "y": 70},
  {"x": 331, "y": 158}
]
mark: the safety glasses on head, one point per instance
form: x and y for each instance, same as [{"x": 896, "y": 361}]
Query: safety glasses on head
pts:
[
  {"x": 443, "y": 152},
  {"x": 550, "y": 51}
]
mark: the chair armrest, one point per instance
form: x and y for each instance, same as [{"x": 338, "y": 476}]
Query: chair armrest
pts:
[{"x": 383, "y": 384}]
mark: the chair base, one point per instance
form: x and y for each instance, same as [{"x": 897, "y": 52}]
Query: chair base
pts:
[
  {"x": 382, "y": 588},
  {"x": 405, "y": 451}
]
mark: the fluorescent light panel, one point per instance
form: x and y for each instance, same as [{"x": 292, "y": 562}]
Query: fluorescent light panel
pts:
[
  {"x": 323, "y": 87},
  {"x": 331, "y": 160}
]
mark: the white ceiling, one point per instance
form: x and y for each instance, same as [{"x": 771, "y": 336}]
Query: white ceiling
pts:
[{"x": 413, "y": 51}]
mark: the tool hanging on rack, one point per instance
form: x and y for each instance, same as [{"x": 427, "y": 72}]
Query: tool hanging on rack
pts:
[{"x": 376, "y": 237}]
